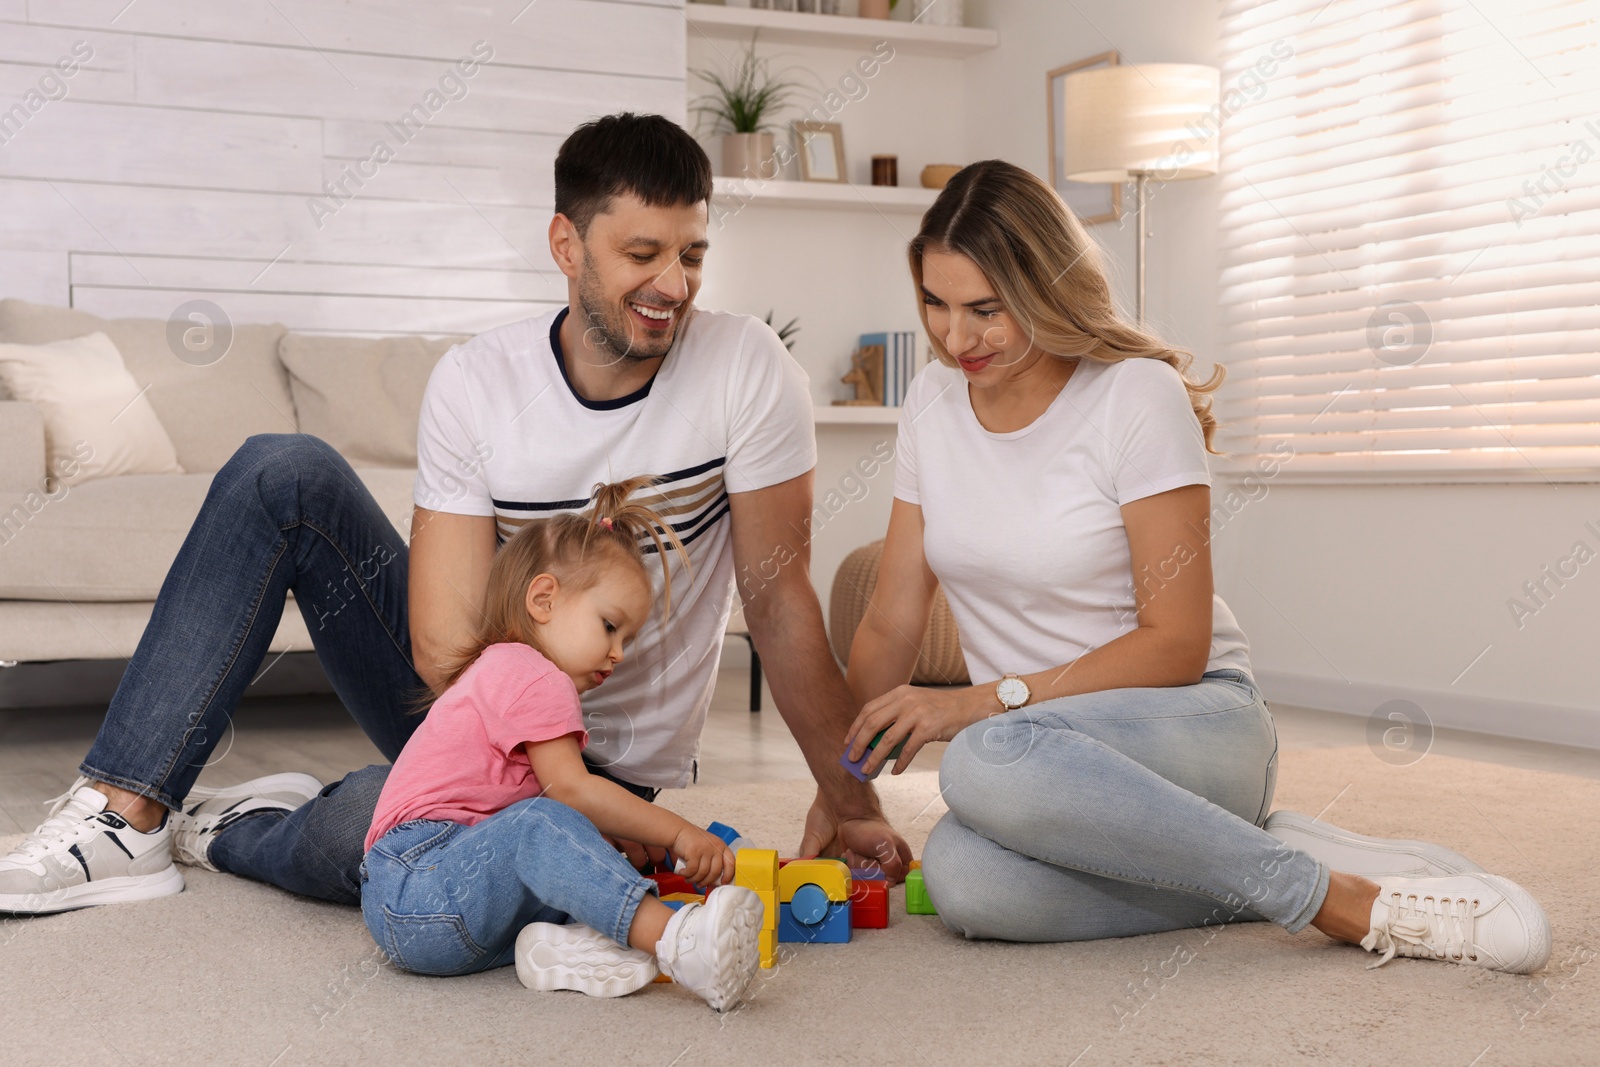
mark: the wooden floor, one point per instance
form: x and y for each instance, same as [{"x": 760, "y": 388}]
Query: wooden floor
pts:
[{"x": 40, "y": 748}]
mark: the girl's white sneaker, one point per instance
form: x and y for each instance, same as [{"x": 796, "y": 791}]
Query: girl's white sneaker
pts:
[
  {"x": 580, "y": 957},
  {"x": 713, "y": 948},
  {"x": 1479, "y": 919}
]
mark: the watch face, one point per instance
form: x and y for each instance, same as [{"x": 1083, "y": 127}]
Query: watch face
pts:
[{"x": 1013, "y": 691}]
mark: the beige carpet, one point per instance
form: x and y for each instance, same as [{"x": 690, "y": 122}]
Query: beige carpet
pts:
[{"x": 232, "y": 972}]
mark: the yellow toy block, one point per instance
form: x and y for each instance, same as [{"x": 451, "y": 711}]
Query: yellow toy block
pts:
[
  {"x": 831, "y": 876},
  {"x": 756, "y": 868},
  {"x": 769, "y": 948}
]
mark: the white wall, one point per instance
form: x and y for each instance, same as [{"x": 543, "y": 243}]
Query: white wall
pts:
[
  {"x": 184, "y": 158},
  {"x": 1351, "y": 595},
  {"x": 843, "y": 273}
]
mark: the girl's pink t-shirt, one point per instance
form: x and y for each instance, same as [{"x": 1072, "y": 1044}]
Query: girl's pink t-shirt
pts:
[{"x": 465, "y": 762}]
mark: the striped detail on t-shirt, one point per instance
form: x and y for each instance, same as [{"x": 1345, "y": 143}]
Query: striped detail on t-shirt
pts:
[{"x": 691, "y": 500}]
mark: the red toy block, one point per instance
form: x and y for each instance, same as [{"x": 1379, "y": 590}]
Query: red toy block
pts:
[
  {"x": 671, "y": 883},
  {"x": 869, "y": 905}
]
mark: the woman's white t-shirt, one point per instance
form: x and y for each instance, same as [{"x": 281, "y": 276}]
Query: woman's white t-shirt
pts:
[{"x": 1024, "y": 529}]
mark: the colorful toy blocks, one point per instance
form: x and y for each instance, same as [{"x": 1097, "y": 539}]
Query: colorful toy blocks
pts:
[
  {"x": 757, "y": 869},
  {"x": 917, "y": 902},
  {"x": 854, "y": 766},
  {"x": 814, "y": 902}
]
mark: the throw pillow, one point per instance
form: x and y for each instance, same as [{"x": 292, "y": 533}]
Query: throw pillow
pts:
[
  {"x": 362, "y": 396},
  {"x": 97, "y": 420}
]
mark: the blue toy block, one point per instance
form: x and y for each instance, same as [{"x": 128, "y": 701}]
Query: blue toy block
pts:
[
  {"x": 868, "y": 874},
  {"x": 833, "y": 928},
  {"x": 854, "y": 766},
  {"x": 724, "y": 831}
]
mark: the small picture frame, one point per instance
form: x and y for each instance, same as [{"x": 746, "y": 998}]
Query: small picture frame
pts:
[
  {"x": 820, "y": 146},
  {"x": 1093, "y": 203}
]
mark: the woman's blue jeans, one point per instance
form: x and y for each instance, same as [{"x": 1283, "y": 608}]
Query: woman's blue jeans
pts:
[
  {"x": 286, "y": 512},
  {"x": 443, "y": 898},
  {"x": 1121, "y": 812}
]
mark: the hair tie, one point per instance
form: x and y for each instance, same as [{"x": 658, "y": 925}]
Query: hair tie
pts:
[{"x": 606, "y": 523}]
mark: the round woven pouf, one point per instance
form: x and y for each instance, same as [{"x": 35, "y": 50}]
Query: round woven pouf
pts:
[{"x": 940, "y": 662}]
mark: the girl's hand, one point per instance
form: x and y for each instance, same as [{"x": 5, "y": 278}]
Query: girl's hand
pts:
[
  {"x": 916, "y": 716},
  {"x": 707, "y": 859}
]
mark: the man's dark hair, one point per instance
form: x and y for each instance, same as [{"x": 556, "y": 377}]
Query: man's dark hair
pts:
[{"x": 649, "y": 156}]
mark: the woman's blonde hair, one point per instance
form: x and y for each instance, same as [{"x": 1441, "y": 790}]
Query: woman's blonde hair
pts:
[
  {"x": 1045, "y": 270},
  {"x": 577, "y": 549}
]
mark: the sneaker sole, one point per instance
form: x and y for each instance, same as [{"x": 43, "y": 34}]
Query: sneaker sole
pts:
[
  {"x": 89, "y": 894},
  {"x": 287, "y": 782},
  {"x": 1366, "y": 856},
  {"x": 738, "y": 943},
  {"x": 551, "y": 957}
]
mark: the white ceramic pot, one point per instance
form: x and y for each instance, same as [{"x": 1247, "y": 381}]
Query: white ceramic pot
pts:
[
  {"x": 938, "y": 12},
  {"x": 749, "y": 155}
]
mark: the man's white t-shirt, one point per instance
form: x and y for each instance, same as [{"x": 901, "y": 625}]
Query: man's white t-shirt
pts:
[
  {"x": 503, "y": 433},
  {"x": 1023, "y": 529}
]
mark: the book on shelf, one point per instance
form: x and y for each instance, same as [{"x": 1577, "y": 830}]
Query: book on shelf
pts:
[{"x": 899, "y": 362}]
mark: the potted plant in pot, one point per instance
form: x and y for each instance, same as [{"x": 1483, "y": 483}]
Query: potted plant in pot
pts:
[{"x": 741, "y": 107}]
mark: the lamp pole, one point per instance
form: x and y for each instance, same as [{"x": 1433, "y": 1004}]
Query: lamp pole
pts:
[{"x": 1140, "y": 178}]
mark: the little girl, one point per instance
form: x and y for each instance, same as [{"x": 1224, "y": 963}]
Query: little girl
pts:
[{"x": 490, "y": 823}]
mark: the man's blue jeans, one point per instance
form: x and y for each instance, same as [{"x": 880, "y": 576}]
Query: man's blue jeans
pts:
[
  {"x": 443, "y": 898},
  {"x": 286, "y": 512}
]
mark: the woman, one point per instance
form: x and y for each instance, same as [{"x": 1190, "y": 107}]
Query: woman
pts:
[{"x": 1111, "y": 766}]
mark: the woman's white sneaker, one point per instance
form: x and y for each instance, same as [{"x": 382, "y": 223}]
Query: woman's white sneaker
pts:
[
  {"x": 714, "y": 948},
  {"x": 580, "y": 957},
  {"x": 1482, "y": 920},
  {"x": 84, "y": 855},
  {"x": 1370, "y": 857}
]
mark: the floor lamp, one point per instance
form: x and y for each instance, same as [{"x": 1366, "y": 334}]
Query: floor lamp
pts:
[{"x": 1151, "y": 121}]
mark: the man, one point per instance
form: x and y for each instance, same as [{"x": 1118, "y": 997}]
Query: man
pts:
[{"x": 520, "y": 422}]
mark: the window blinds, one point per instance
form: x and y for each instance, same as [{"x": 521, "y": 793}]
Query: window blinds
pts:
[{"x": 1410, "y": 235}]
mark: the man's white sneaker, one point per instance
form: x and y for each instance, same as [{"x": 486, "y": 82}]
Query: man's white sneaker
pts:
[
  {"x": 83, "y": 855},
  {"x": 1479, "y": 919},
  {"x": 582, "y": 958},
  {"x": 206, "y": 812},
  {"x": 1370, "y": 857},
  {"x": 714, "y": 948}
]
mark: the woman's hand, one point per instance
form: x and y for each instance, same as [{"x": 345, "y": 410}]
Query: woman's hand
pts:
[
  {"x": 707, "y": 859},
  {"x": 916, "y": 716}
]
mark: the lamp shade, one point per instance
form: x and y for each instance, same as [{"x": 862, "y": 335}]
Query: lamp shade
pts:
[{"x": 1159, "y": 119}]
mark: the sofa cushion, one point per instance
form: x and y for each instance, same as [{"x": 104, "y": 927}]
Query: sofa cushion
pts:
[
  {"x": 115, "y": 538},
  {"x": 207, "y": 410},
  {"x": 97, "y": 421},
  {"x": 360, "y": 395}
]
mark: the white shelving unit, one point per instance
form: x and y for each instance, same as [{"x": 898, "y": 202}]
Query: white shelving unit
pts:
[
  {"x": 804, "y": 28},
  {"x": 733, "y": 193},
  {"x": 857, "y": 415}
]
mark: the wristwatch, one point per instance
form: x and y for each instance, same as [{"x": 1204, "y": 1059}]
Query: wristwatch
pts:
[{"x": 1012, "y": 692}]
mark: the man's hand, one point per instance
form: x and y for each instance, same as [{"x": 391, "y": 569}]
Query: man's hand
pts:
[{"x": 867, "y": 841}]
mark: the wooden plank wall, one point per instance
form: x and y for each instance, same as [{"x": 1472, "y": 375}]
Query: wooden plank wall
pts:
[{"x": 188, "y": 155}]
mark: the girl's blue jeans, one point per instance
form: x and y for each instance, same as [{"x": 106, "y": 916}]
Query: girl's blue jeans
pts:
[
  {"x": 443, "y": 898},
  {"x": 1126, "y": 811}
]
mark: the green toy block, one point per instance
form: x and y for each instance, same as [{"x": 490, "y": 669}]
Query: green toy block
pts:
[{"x": 917, "y": 902}]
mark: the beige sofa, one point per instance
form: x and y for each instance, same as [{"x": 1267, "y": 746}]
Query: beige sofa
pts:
[{"x": 79, "y": 572}]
